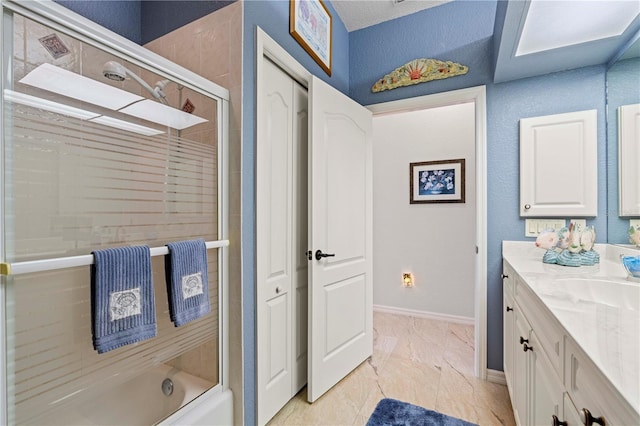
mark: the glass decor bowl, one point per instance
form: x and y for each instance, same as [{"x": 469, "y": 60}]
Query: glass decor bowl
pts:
[{"x": 632, "y": 265}]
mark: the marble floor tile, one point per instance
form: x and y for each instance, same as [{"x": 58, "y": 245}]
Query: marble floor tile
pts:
[{"x": 421, "y": 361}]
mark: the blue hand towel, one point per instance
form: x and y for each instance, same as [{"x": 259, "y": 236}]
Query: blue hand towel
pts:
[
  {"x": 122, "y": 297},
  {"x": 187, "y": 281}
]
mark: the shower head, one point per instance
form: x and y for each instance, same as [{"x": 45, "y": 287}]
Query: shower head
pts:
[{"x": 116, "y": 71}]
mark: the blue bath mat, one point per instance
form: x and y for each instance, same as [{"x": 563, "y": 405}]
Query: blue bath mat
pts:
[{"x": 391, "y": 412}]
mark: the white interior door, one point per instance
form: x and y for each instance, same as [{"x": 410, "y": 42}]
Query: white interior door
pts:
[
  {"x": 340, "y": 209},
  {"x": 276, "y": 261}
]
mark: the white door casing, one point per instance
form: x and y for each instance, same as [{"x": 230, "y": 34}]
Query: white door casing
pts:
[
  {"x": 340, "y": 206},
  {"x": 477, "y": 95}
]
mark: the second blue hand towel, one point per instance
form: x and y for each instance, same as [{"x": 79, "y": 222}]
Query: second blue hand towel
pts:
[{"x": 187, "y": 281}]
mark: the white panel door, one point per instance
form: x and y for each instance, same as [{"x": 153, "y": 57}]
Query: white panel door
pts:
[
  {"x": 558, "y": 165},
  {"x": 275, "y": 274},
  {"x": 340, "y": 196},
  {"x": 282, "y": 265}
]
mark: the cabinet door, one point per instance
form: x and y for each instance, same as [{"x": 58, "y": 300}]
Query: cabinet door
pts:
[
  {"x": 544, "y": 386},
  {"x": 558, "y": 165},
  {"x": 509, "y": 339},
  {"x": 520, "y": 368},
  {"x": 571, "y": 415}
]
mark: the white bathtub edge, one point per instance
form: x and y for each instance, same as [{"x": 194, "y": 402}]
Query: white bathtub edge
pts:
[{"x": 214, "y": 407}]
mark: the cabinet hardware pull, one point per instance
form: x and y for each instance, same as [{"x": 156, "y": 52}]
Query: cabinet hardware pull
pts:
[
  {"x": 588, "y": 419},
  {"x": 527, "y": 348},
  {"x": 523, "y": 340},
  {"x": 278, "y": 290},
  {"x": 527, "y": 206},
  {"x": 503, "y": 276},
  {"x": 509, "y": 308},
  {"x": 557, "y": 421}
]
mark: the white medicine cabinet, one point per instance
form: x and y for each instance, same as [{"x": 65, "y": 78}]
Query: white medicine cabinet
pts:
[{"x": 558, "y": 165}]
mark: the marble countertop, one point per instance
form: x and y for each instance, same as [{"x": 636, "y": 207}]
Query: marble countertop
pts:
[{"x": 595, "y": 305}]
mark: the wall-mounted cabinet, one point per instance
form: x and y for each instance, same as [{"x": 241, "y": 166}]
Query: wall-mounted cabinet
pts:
[
  {"x": 629, "y": 159},
  {"x": 558, "y": 165}
]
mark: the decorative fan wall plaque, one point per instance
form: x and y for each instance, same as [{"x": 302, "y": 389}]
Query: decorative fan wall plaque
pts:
[{"x": 419, "y": 71}]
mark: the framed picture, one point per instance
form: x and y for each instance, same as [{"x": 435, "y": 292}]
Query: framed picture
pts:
[
  {"x": 437, "y": 181},
  {"x": 310, "y": 24}
]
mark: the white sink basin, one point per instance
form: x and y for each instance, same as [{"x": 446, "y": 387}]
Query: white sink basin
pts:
[{"x": 616, "y": 293}]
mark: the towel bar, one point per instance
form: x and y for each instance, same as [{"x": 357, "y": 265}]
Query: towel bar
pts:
[{"x": 28, "y": 267}]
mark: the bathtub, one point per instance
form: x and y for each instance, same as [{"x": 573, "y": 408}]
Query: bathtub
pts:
[{"x": 189, "y": 400}]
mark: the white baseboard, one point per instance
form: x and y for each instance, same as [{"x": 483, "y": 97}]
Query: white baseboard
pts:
[
  {"x": 496, "y": 376},
  {"x": 424, "y": 314}
]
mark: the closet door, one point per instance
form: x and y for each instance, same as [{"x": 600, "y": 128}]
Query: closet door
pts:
[{"x": 275, "y": 268}]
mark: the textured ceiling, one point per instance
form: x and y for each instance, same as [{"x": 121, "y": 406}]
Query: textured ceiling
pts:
[{"x": 358, "y": 14}]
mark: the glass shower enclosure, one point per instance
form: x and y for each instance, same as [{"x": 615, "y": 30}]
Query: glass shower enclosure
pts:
[{"x": 104, "y": 145}]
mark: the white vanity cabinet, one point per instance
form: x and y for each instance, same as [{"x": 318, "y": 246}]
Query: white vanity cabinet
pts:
[
  {"x": 535, "y": 390},
  {"x": 551, "y": 380}
]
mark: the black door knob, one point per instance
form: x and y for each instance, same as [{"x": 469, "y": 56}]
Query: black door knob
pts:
[
  {"x": 527, "y": 348},
  {"x": 509, "y": 308},
  {"x": 320, "y": 254},
  {"x": 523, "y": 340}
]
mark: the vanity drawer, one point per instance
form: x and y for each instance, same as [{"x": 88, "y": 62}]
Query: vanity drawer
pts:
[
  {"x": 590, "y": 389},
  {"x": 549, "y": 333}
]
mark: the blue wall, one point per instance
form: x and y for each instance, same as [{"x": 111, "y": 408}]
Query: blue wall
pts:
[
  {"x": 461, "y": 31},
  {"x": 162, "y": 17},
  {"x": 143, "y": 21},
  {"x": 121, "y": 17},
  {"x": 273, "y": 18}
]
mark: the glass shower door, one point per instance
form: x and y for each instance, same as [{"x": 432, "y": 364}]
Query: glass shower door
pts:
[{"x": 100, "y": 152}]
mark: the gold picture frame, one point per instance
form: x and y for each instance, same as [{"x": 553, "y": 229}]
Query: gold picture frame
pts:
[{"x": 310, "y": 23}]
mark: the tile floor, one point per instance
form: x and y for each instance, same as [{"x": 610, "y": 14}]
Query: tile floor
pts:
[{"x": 421, "y": 361}]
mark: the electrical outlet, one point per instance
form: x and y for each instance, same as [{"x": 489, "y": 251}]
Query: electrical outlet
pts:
[{"x": 533, "y": 227}]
